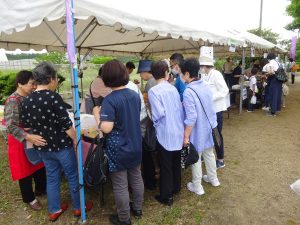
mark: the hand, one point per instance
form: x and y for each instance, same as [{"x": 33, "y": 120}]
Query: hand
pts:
[
  {"x": 186, "y": 142},
  {"x": 37, "y": 140},
  {"x": 253, "y": 94}
]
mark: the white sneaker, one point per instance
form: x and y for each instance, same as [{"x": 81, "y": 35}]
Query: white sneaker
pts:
[
  {"x": 192, "y": 188},
  {"x": 265, "y": 108},
  {"x": 214, "y": 183}
]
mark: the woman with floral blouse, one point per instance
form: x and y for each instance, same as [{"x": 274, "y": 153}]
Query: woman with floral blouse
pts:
[{"x": 21, "y": 169}]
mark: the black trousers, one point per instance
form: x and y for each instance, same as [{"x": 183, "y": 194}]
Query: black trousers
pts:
[
  {"x": 170, "y": 172},
  {"x": 293, "y": 77},
  {"x": 148, "y": 168},
  {"x": 26, "y": 187}
]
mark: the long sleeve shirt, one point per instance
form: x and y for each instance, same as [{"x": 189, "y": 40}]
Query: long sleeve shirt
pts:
[
  {"x": 201, "y": 136},
  {"x": 167, "y": 115},
  {"x": 12, "y": 116},
  {"x": 219, "y": 89}
]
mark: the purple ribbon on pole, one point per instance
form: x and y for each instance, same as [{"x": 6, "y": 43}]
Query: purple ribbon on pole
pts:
[
  {"x": 70, "y": 33},
  {"x": 293, "y": 48}
]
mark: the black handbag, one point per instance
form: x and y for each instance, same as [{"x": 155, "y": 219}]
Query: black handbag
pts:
[
  {"x": 215, "y": 132},
  {"x": 150, "y": 139},
  {"x": 189, "y": 156}
]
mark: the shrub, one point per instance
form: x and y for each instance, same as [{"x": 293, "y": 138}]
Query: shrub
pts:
[
  {"x": 7, "y": 86},
  {"x": 54, "y": 57},
  {"x": 101, "y": 59}
]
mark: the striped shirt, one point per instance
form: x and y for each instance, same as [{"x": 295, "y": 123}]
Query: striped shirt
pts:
[{"x": 167, "y": 115}]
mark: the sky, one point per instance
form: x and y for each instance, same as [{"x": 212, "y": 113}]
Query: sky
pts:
[{"x": 212, "y": 14}]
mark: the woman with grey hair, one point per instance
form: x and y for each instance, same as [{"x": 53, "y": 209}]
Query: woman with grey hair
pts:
[{"x": 45, "y": 112}]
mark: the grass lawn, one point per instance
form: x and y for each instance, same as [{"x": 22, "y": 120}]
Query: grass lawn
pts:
[{"x": 187, "y": 209}]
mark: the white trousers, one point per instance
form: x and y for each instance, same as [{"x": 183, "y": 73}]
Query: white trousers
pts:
[{"x": 210, "y": 165}]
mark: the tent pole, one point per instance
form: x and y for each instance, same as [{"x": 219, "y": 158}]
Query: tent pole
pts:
[
  {"x": 74, "y": 76},
  {"x": 55, "y": 34},
  {"x": 242, "y": 81}
]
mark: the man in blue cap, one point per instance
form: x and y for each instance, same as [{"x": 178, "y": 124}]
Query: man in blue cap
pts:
[{"x": 144, "y": 70}]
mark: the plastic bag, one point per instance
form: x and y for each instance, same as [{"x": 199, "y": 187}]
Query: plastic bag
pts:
[
  {"x": 296, "y": 187},
  {"x": 253, "y": 100}
]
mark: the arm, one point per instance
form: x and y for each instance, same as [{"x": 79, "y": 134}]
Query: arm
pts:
[
  {"x": 107, "y": 116},
  {"x": 12, "y": 120},
  {"x": 157, "y": 109},
  {"x": 222, "y": 89},
  {"x": 190, "y": 115},
  {"x": 106, "y": 126}
]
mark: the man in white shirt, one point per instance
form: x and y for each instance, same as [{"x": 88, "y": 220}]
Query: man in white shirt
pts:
[{"x": 220, "y": 97}]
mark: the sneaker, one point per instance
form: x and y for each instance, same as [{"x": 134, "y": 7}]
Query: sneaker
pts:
[
  {"x": 192, "y": 188},
  {"x": 220, "y": 164},
  {"x": 265, "y": 108},
  {"x": 271, "y": 114},
  {"x": 214, "y": 183},
  {"x": 250, "y": 111},
  {"x": 137, "y": 213},
  {"x": 114, "y": 219}
]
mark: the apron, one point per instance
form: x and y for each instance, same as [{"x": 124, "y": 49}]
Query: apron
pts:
[{"x": 19, "y": 165}]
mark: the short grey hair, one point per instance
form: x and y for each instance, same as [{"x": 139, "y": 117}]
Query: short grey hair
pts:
[{"x": 43, "y": 73}]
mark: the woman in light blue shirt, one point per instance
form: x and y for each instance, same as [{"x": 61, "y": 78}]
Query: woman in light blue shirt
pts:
[
  {"x": 167, "y": 116},
  {"x": 198, "y": 122}
]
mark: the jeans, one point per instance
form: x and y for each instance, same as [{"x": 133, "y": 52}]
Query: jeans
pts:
[
  {"x": 57, "y": 162},
  {"x": 220, "y": 152}
]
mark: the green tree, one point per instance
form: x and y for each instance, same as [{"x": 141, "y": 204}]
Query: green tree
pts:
[
  {"x": 54, "y": 57},
  {"x": 293, "y": 10},
  {"x": 266, "y": 34}
]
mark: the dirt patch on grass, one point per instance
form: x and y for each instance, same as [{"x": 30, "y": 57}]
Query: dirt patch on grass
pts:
[{"x": 262, "y": 160}]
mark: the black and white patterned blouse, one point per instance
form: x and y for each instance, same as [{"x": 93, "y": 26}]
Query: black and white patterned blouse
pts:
[{"x": 46, "y": 114}]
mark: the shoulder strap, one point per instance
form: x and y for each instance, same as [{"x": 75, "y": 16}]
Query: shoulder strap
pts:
[
  {"x": 92, "y": 97},
  {"x": 201, "y": 106}
]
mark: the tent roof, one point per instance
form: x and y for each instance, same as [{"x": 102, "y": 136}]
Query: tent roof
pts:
[{"x": 41, "y": 24}]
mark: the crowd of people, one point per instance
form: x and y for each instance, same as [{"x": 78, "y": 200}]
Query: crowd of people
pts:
[
  {"x": 263, "y": 88},
  {"x": 182, "y": 101}
]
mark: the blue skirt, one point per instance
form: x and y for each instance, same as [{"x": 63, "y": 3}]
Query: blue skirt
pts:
[{"x": 275, "y": 93}]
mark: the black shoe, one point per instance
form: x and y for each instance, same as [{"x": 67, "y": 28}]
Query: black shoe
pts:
[
  {"x": 168, "y": 201},
  {"x": 137, "y": 213},
  {"x": 176, "y": 192},
  {"x": 114, "y": 219}
]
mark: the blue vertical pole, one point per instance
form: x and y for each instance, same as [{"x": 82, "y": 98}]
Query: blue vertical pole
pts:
[{"x": 74, "y": 76}]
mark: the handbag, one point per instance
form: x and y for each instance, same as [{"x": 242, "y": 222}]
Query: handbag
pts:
[
  {"x": 189, "y": 156},
  {"x": 150, "y": 139},
  {"x": 32, "y": 154},
  {"x": 215, "y": 132},
  {"x": 253, "y": 100}
]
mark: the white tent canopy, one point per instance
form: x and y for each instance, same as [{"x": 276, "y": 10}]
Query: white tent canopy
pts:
[{"x": 31, "y": 24}]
